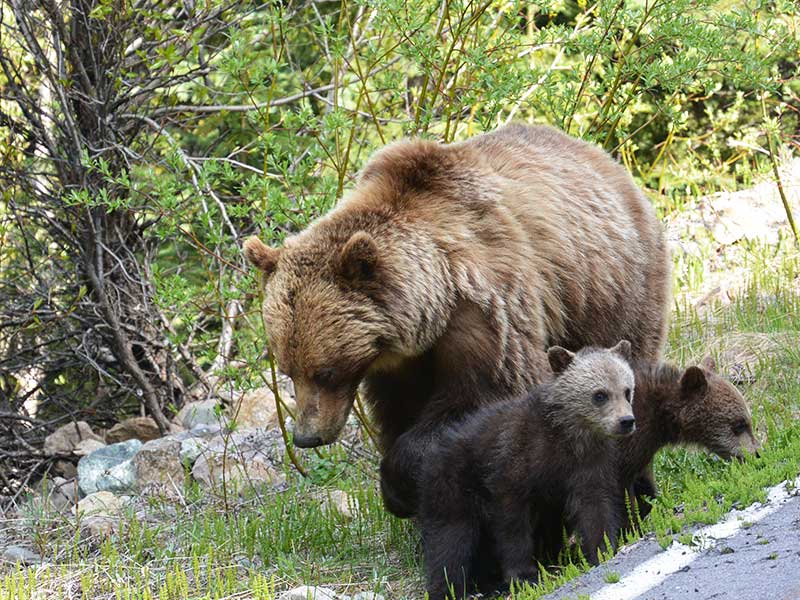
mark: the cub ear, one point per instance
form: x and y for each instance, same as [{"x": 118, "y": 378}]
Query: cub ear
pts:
[
  {"x": 559, "y": 358},
  {"x": 623, "y": 348},
  {"x": 358, "y": 259},
  {"x": 261, "y": 255},
  {"x": 709, "y": 364},
  {"x": 693, "y": 382}
]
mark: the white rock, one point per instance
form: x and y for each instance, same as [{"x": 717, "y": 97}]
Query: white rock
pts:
[
  {"x": 64, "y": 439},
  {"x": 257, "y": 408},
  {"x": 241, "y": 459},
  {"x": 191, "y": 449},
  {"x": 367, "y": 596},
  {"x": 341, "y": 504},
  {"x": 86, "y": 447},
  {"x": 100, "y": 503},
  {"x": 309, "y": 592},
  {"x": 20, "y": 555},
  {"x": 200, "y": 413}
]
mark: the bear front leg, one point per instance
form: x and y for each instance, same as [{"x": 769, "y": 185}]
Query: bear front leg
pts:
[
  {"x": 400, "y": 470},
  {"x": 595, "y": 518},
  {"x": 513, "y": 532},
  {"x": 450, "y": 548}
]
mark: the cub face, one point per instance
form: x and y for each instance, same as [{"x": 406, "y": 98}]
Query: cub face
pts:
[
  {"x": 600, "y": 385},
  {"x": 714, "y": 413}
]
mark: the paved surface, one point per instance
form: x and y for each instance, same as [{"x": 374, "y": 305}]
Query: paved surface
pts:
[{"x": 740, "y": 561}]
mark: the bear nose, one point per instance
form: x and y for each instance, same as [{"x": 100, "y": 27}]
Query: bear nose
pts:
[
  {"x": 627, "y": 424},
  {"x": 307, "y": 441}
]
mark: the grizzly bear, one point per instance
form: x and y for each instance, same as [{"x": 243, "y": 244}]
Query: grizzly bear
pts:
[
  {"x": 434, "y": 282},
  {"x": 485, "y": 486}
]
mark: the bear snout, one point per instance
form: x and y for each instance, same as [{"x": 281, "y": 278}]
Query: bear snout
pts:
[
  {"x": 307, "y": 441},
  {"x": 627, "y": 425}
]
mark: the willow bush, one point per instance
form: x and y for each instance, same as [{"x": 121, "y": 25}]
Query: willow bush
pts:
[{"x": 142, "y": 141}]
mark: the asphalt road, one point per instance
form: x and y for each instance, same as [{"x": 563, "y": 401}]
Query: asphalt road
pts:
[{"x": 753, "y": 554}]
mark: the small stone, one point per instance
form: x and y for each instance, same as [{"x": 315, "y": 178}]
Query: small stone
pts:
[
  {"x": 109, "y": 469},
  {"x": 135, "y": 428},
  {"x": 191, "y": 449},
  {"x": 257, "y": 408},
  {"x": 21, "y": 556},
  {"x": 159, "y": 462},
  {"x": 341, "y": 504},
  {"x": 367, "y": 596},
  {"x": 66, "y": 469},
  {"x": 64, "y": 439},
  {"x": 99, "y": 503},
  {"x": 309, "y": 592},
  {"x": 204, "y": 412},
  {"x": 86, "y": 447},
  {"x": 98, "y": 527}
]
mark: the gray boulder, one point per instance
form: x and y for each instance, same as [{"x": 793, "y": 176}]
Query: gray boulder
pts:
[
  {"x": 159, "y": 462},
  {"x": 241, "y": 459},
  {"x": 109, "y": 469}
]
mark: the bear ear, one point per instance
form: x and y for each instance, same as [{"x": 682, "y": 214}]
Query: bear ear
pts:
[
  {"x": 693, "y": 382},
  {"x": 358, "y": 259},
  {"x": 623, "y": 348},
  {"x": 560, "y": 358},
  {"x": 709, "y": 364},
  {"x": 261, "y": 255}
]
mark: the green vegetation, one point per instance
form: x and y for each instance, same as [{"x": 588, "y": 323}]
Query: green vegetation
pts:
[{"x": 241, "y": 117}]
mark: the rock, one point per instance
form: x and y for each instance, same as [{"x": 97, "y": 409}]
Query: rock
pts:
[
  {"x": 98, "y": 527},
  {"x": 256, "y": 408},
  {"x": 367, "y": 596},
  {"x": 204, "y": 412},
  {"x": 64, "y": 439},
  {"x": 252, "y": 457},
  {"x": 86, "y": 447},
  {"x": 341, "y": 504},
  {"x": 109, "y": 469},
  {"x": 103, "y": 504},
  {"x": 57, "y": 494},
  {"x": 309, "y": 592},
  {"x": 159, "y": 462},
  {"x": 66, "y": 469},
  {"x": 191, "y": 449},
  {"x": 135, "y": 428},
  {"x": 21, "y": 556}
]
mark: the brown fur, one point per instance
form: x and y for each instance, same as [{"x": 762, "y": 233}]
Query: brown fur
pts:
[
  {"x": 438, "y": 278},
  {"x": 695, "y": 406}
]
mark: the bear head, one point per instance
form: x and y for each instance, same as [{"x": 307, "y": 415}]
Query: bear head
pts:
[
  {"x": 594, "y": 388},
  {"x": 713, "y": 413}
]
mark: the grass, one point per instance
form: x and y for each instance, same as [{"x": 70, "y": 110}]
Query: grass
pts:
[{"x": 191, "y": 547}]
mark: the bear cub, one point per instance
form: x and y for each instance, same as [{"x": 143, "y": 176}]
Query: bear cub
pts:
[{"x": 494, "y": 473}]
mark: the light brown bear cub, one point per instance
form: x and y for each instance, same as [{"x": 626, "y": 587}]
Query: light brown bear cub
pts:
[
  {"x": 439, "y": 281},
  {"x": 487, "y": 487},
  {"x": 693, "y": 406}
]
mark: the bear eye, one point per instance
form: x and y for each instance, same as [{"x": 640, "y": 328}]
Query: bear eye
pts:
[
  {"x": 628, "y": 395},
  {"x": 600, "y": 397},
  {"x": 324, "y": 377},
  {"x": 739, "y": 427}
]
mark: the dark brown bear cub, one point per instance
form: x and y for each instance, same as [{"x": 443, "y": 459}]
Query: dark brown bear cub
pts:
[{"x": 492, "y": 474}]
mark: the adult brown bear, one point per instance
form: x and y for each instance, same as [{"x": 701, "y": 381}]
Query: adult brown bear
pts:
[{"x": 439, "y": 281}]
